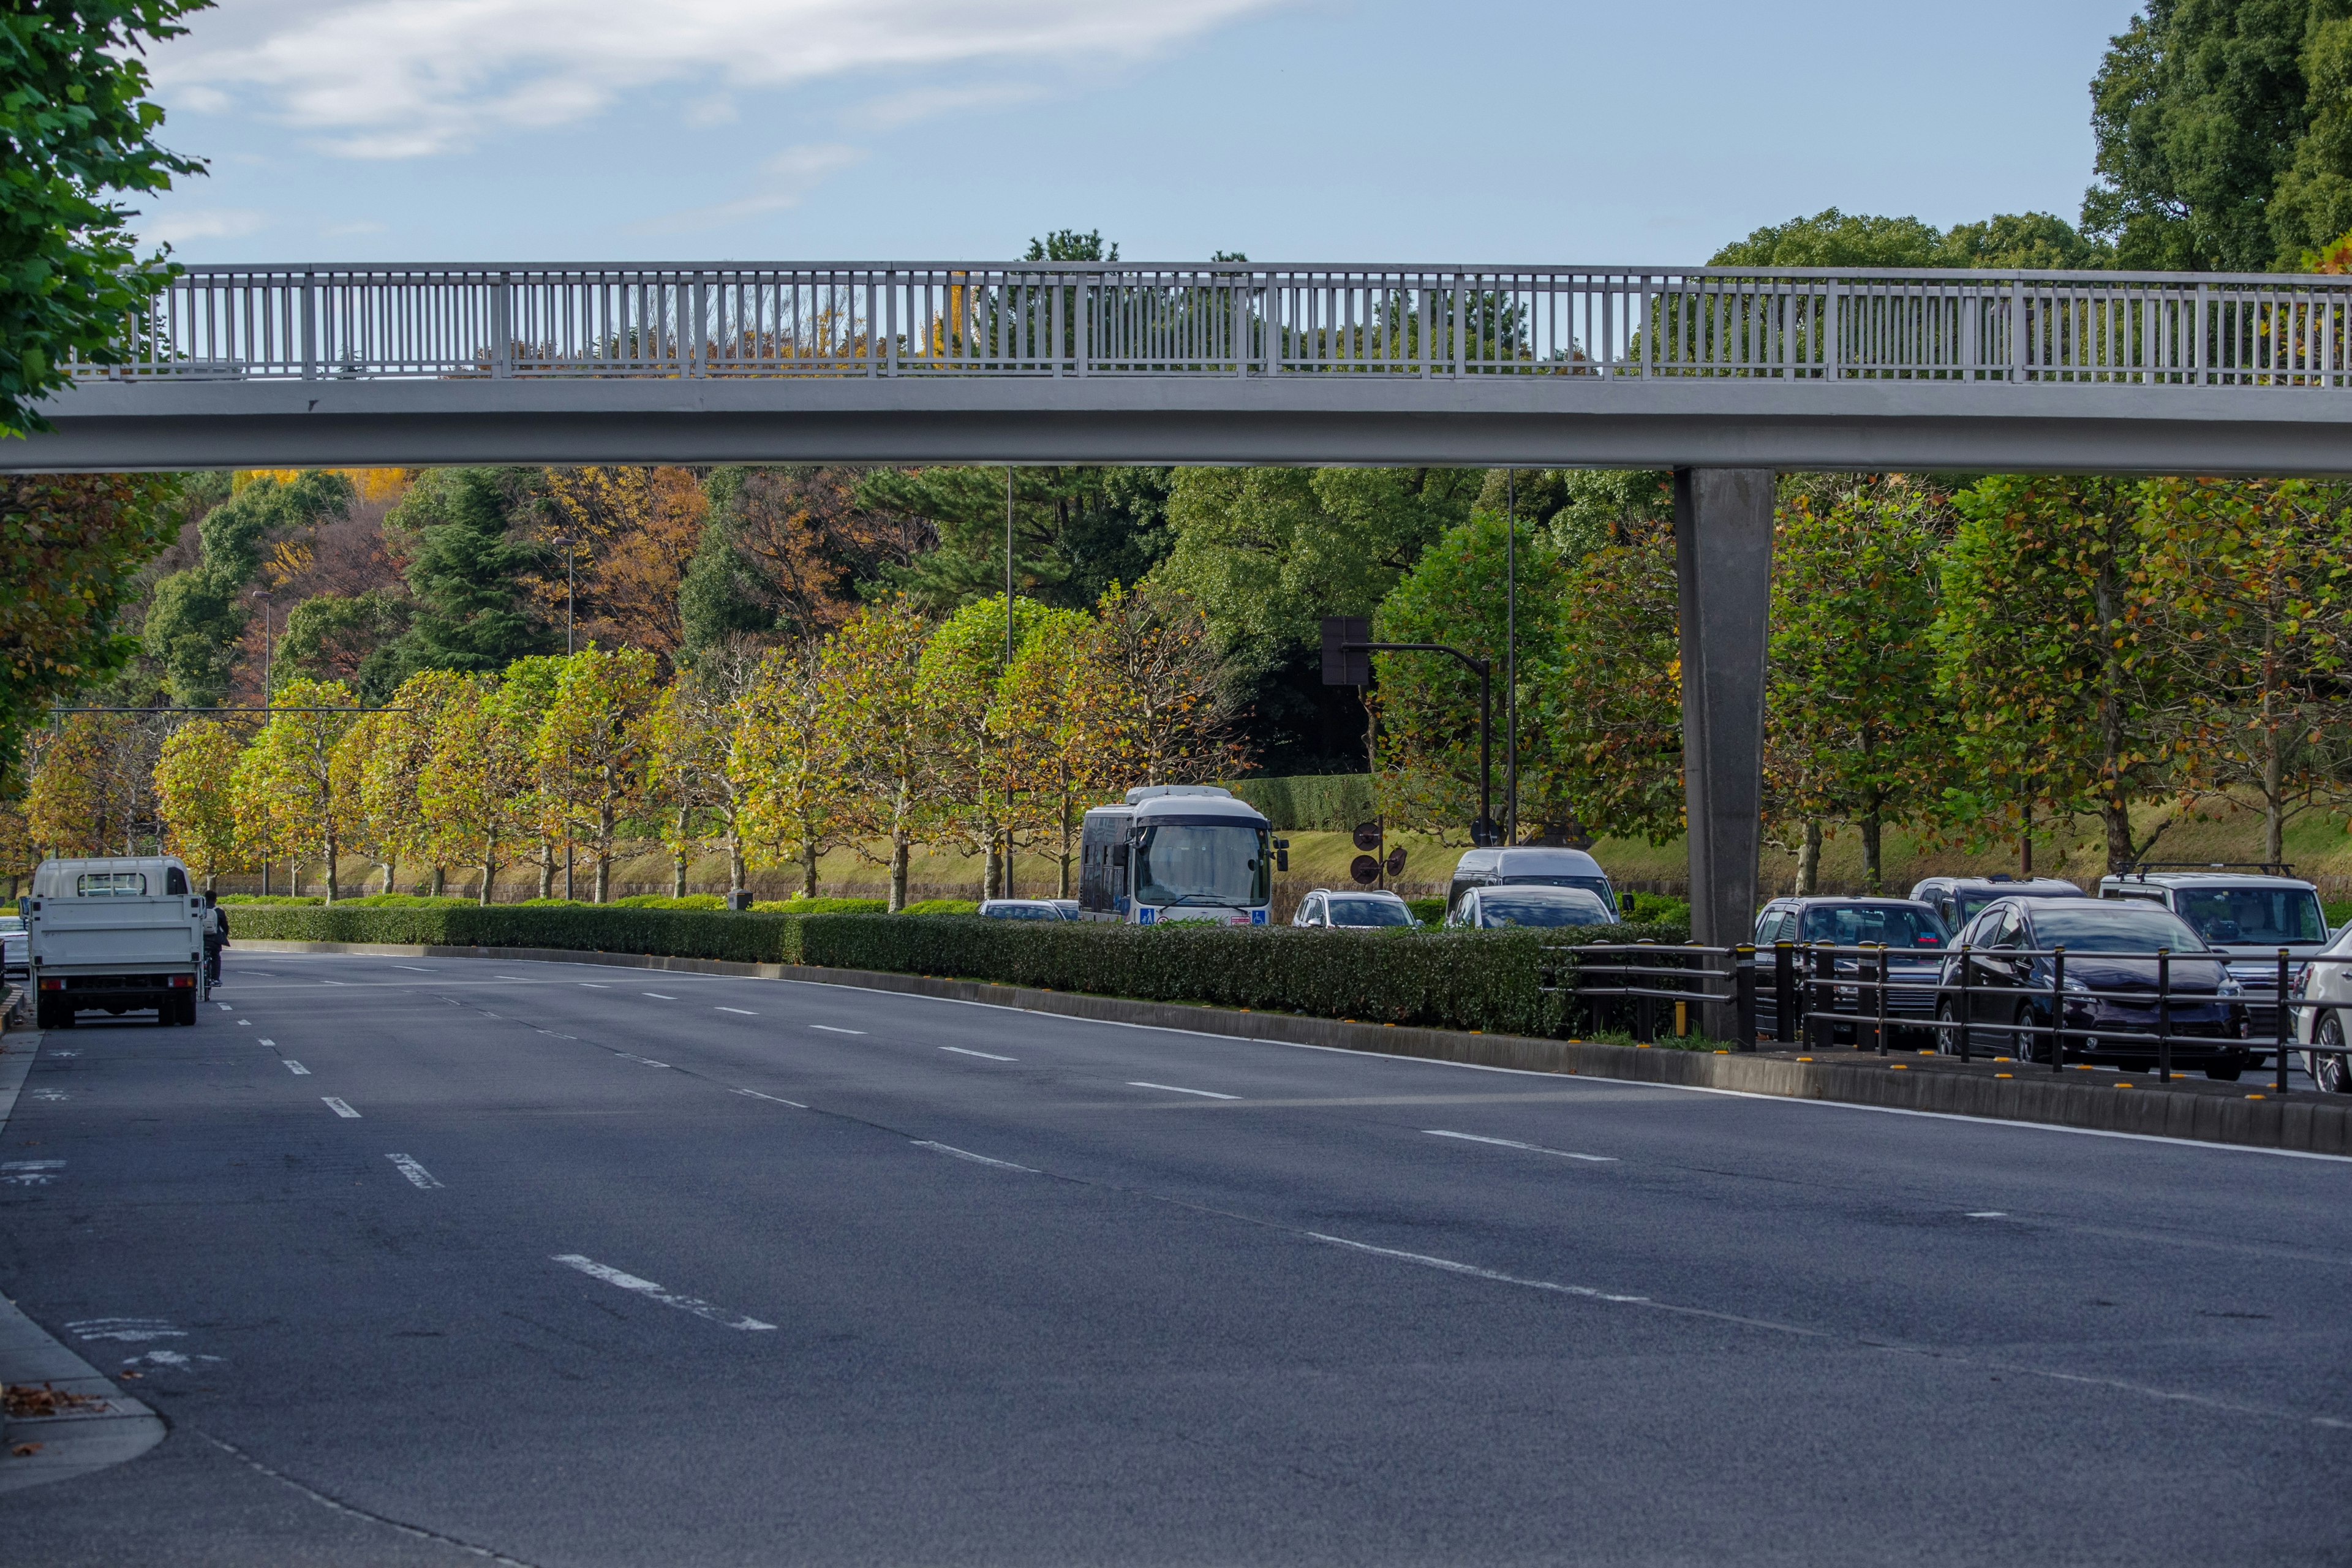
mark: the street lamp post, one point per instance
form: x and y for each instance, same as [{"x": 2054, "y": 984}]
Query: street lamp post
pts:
[
  {"x": 1510, "y": 659},
  {"x": 571, "y": 587},
  {"x": 261, "y": 597}
]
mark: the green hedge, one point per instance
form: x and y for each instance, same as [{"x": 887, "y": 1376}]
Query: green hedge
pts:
[
  {"x": 1465, "y": 980},
  {"x": 1311, "y": 802},
  {"x": 797, "y": 906},
  {"x": 941, "y": 907}
]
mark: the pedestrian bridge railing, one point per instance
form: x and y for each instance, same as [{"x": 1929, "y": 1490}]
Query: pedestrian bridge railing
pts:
[{"x": 1235, "y": 319}]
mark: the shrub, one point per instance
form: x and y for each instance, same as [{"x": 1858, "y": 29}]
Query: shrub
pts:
[
  {"x": 671, "y": 901},
  {"x": 403, "y": 901},
  {"x": 268, "y": 901},
  {"x": 579, "y": 928},
  {"x": 1311, "y": 802},
  {"x": 822, "y": 906},
  {"x": 941, "y": 907},
  {"x": 1657, "y": 909},
  {"x": 1428, "y": 912}
]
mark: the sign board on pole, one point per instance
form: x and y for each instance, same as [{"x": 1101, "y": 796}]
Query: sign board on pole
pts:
[{"x": 1343, "y": 666}]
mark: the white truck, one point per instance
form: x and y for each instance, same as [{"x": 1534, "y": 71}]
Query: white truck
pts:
[{"x": 115, "y": 936}]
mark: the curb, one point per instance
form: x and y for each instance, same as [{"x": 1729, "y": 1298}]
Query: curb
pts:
[
  {"x": 2303, "y": 1123},
  {"x": 117, "y": 1427}
]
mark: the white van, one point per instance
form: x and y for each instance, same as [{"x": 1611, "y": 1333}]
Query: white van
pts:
[{"x": 114, "y": 935}]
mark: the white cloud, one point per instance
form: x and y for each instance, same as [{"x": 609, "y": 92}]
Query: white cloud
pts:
[
  {"x": 784, "y": 180},
  {"x": 213, "y": 223},
  {"x": 401, "y": 79},
  {"x": 930, "y": 102}
]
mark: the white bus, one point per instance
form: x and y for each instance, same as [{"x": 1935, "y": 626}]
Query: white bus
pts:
[{"x": 1178, "y": 852}]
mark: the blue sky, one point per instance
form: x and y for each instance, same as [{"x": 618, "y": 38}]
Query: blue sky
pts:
[{"x": 1507, "y": 131}]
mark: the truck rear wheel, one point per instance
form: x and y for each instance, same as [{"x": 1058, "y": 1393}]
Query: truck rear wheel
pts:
[{"x": 184, "y": 1009}]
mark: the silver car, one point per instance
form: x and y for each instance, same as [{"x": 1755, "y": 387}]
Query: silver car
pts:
[
  {"x": 15, "y": 960},
  {"x": 2325, "y": 1025},
  {"x": 1494, "y": 908}
]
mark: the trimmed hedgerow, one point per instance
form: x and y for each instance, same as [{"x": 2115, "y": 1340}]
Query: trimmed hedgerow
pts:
[
  {"x": 941, "y": 907},
  {"x": 797, "y": 906},
  {"x": 581, "y": 928}
]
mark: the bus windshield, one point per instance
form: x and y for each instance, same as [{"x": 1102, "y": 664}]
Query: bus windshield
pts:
[
  {"x": 2269, "y": 916},
  {"x": 1204, "y": 863}
]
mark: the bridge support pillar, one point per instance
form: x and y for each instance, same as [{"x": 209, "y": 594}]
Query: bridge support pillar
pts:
[{"x": 1723, "y": 561}]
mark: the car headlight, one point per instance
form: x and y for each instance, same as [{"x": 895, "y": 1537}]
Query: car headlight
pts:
[
  {"x": 2229, "y": 988},
  {"x": 2074, "y": 985}
]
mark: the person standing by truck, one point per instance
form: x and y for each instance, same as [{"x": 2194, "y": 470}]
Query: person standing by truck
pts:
[{"x": 216, "y": 937}]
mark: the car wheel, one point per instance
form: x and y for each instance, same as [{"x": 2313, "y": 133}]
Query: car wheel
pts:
[
  {"x": 1948, "y": 1039},
  {"x": 2025, "y": 1046},
  {"x": 2328, "y": 1074}
]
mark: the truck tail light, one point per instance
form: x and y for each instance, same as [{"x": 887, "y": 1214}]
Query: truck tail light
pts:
[
  {"x": 53, "y": 983},
  {"x": 184, "y": 981}
]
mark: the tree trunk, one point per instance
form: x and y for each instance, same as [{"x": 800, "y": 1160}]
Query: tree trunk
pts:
[
  {"x": 2274, "y": 777},
  {"x": 489, "y": 875},
  {"x": 808, "y": 868},
  {"x": 391, "y": 873},
  {"x": 991, "y": 886},
  {"x": 334, "y": 886},
  {"x": 440, "y": 882},
  {"x": 1809, "y": 859},
  {"x": 734, "y": 862},
  {"x": 1062, "y": 887},
  {"x": 2025, "y": 840},
  {"x": 604, "y": 853},
  {"x": 546, "y": 867},
  {"x": 677, "y": 860},
  {"x": 2114, "y": 816},
  {"x": 1873, "y": 828},
  {"x": 897, "y": 874}
]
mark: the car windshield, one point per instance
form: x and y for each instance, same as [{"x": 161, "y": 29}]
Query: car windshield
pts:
[
  {"x": 1022, "y": 912},
  {"x": 1579, "y": 907},
  {"x": 1368, "y": 912},
  {"x": 1597, "y": 886},
  {"x": 2268, "y": 916},
  {"x": 1203, "y": 863},
  {"x": 2103, "y": 927},
  {"x": 1873, "y": 925}
]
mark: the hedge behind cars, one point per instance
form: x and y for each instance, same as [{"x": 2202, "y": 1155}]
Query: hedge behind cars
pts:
[{"x": 1495, "y": 980}]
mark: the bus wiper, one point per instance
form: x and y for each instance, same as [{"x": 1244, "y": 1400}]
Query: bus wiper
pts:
[{"x": 1184, "y": 899}]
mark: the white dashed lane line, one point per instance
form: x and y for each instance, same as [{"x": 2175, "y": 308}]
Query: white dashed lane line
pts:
[
  {"x": 658, "y": 996},
  {"x": 224, "y": 1006},
  {"x": 642, "y": 1061},
  {"x": 339, "y": 1108},
  {"x": 592, "y": 985},
  {"x": 1531, "y": 1148},
  {"x": 1171, "y": 1088},
  {"x": 417, "y": 1175},
  {"x": 772, "y": 1099},
  {"x": 297, "y": 1068},
  {"x": 646, "y": 1288},
  {"x": 413, "y": 969},
  {"x": 1989, "y": 1214},
  {"x": 836, "y": 1029},
  {"x": 745, "y": 1011},
  {"x": 951, "y": 1149},
  {"x": 983, "y": 1055}
]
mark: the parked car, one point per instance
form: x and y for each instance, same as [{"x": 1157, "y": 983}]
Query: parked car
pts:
[
  {"x": 1529, "y": 866},
  {"x": 1958, "y": 899},
  {"x": 2246, "y": 912},
  {"x": 1912, "y": 933},
  {"x": 1352, "y": 906},
  {"x": 2318, "y": 1023},
  {"x": 2007, "y": 949},
  {"x": 1493, "y": 908},
  {"x": 1020, "y": 910},
  {"x": 15, "y": 962}
]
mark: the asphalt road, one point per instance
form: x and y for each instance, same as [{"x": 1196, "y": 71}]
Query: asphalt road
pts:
[{"x": 606, "y": 1266}]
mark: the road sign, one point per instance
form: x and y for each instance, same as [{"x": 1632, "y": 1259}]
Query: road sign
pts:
[
  {"x": 1365, "y": 869},
  {"x": 1368, "y": 834},
  {"x": 1484, "y": 833},
  {"x": 1396, "y": 862},
  {"x": 1344, "y": 665}
]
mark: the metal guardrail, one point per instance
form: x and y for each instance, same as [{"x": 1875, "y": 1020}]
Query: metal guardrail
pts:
[
  {"x": 956, "y": 319},
  {"x": 1806, "y": 987}
]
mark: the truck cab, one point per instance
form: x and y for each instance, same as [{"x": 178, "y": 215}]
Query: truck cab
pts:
[
  {"x": 1177, "y": 852},
  {"x": 114, "y": 935}
]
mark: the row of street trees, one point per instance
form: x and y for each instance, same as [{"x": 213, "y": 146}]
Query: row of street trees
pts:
[
  {"x": 1969, "y": 660},
  {"x": 893, "y": 730}
]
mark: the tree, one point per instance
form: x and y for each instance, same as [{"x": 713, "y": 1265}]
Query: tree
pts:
[
  {"x": 694, "y": 768},
  {"x": 465, "y": 570},
  {"x": 392, "y": 766},
  {"x": 871, "y": 717},
  {"x": 593, "y": 746},
  {"x": 786, "y": 552},
  {"x": 2198, "y": 110},
  {"x": 77, "y": 126},
  {"x": 787, "y": 765},
  {"x": 194, "y": 798},
  {"x": 1153, "y": 692},
  {"x": 1833, "y": 238},
  {"x": 70, "y": 549},
  {"x": 347, "y": 638},
  {"x": 632, "y": 531},
  {"x": 477, "y": 789},
  {"x": 1038, "y": 712},
  {"x": 2311, "y": 205},
  {"x": 1076, "y": 531},
  {"x": 303, "y": 794},
  {"x": 2256, "y": 575},
  {"x": 527, "y": 690},
  {"x": 2060, "y": 657},
  {"x": 1612, "y": 709},
  {"x": 1856, "y": 732},
  {"x": 962, "y": 662},
  {"x": 198, "y": 616}
]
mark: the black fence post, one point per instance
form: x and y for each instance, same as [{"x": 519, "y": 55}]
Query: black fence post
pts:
[
  {"x": 1743, "y": 993},
  {"x": 1966, "y": 1008},
  {"x": 1784, "y": 993},
  {"x": 2057, "y": 1010},
  {"x": 2164, "y": 1015},
  {"x": 1644, "y": 1012},
  {"x": 1821, "y": 998},
  {"x": 2280, "y": 1030}
]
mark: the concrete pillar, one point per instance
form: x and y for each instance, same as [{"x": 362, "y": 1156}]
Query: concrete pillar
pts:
[{"x": 1723, "y": 562}]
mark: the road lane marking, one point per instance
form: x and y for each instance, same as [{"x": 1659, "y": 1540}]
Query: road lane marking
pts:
[
  {"x": 1990, "y": 1214},
  {"x": 125, "y": 1330},
  {"x": 968, "y": 1154},
  {"x": 412, "y": 968},
  {"x": 415, "y": 1173},
  {"x": 657, "y": 996},
  {"x": 1171, "y": 1088},
  {"x": 592, "y": 985},
  {"x": 224, "y": 1006},
  {"x": 297, "y": 1068},
  {"x": 1531, "y": 1148},
  {"x": 983, "y": 1055},
  {"x": 645, "y": 1062},
  {"x": 836, "y": 1029},
  {"x": 332, "y": 983},
  {"x": 339, "y": 1108},
  {"x": 745, "y": 1011},
  {"x": 755, "y": 1094},
  {"x": 244, "y": 1023},
  {"x": 270, "y": 1043},
  {"x": 29, "y": 1173},
  {"x": 704, "y": 1309}
]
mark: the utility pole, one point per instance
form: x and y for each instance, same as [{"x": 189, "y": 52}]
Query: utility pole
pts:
[
  {"x": 570, "y": 586},
  {"x": 1007, "y": 882},
  {"x": 1510, "y": 659}
]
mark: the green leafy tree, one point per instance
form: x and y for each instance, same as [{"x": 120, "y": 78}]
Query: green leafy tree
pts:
[
  {"x": 593, "y": 746},
  {"x": 309, "y": 800},
  {"x": 1076, "y": 531},
  {"x": 79, "y": 128},
  {"x": 871, "y": 718},
  {"x": 2311, "y": 205},
  {"x": 694, "y": 776},
  {"x": 477, "y": 789},
  {"x": 347, "y": 636},
  {"x": 1153, "y": 692},
  {"x": 962, "y": 662},
  {"x": 786, "y": 763},
  {"x": 1038, "y": 712},
  {"x": 1834, "y": 238},
  {"x": 1612, "y": 708},
  {"x": 194, "y": 798},
  {"x": 70, "y": 549},
  {"x": 198, "y": 616},
  {"x": 465, "y": 571},
  {"x": 527, "y": 690},
  {"x": 397, "y": 751}
]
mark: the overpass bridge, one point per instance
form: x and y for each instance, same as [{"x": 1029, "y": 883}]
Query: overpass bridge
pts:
[{"x": 1722, "y": 374}]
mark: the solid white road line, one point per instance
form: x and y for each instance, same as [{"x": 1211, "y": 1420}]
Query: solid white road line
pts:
[
  {"x": 1531, "y": 1148},
  {"x": 968, "y": 1154},
  {"x": 415, "y": 1173},
  {"x": 983, "y": 1055},
  {"x": 755, "y": 1094},
  {"x": 338, "y": 1107},
  {"x": 1171, "y": 1088},
  {"x": 413, "y": 968},
  {"x": 1990, "y": 1214},
  {"x": 745, "y": 1011},
  {"x": 643, "y": 1061},
  {"x": 836, "y": 1029},
  {"x": 658, "y": 996},
  {"x": 591, "y": 985},
  {"x": 595, "y": 1270},
  {"x": 297, "y": 1068}
]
